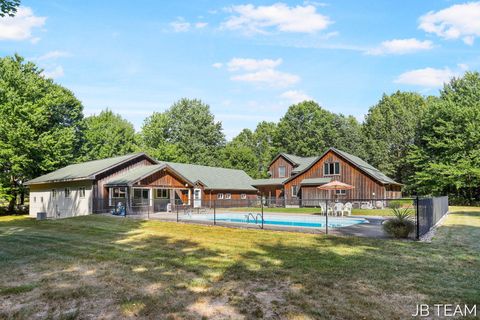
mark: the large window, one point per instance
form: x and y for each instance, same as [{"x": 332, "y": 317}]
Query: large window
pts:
[
  {"x": 163, "y": 193},
  {"x": 341, "y": 192},
  {"x": 294, "y": 191},
  {"x": 331, "y": 168},
  {"x": 119, "y": 192},
  {"x": 281, "y": 171}
]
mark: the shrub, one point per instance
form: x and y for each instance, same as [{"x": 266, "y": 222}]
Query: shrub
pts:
[{"x": 401, "y": 225}]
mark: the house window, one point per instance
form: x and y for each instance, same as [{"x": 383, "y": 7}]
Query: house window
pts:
[
  {"x": 34, "y": 199},
  {"x": 81, "y": 192},
  {"x": 220, "y": 196},
  {"x": 281, "y": 172},
  {"x": 41, "y": 199},
  {"x": 163, "y": 193},
  {"x": 331, "y": 168},
  {"x": 119, "y": 192},
  {"x": 243, "y": 196},
  {"x": 228, "y": 196},
  {"x": 294, "y": 191},
  {"x": 67, "y": 192},
  {"x": 54, "y": 193},
  {"x": 341, "y": 192}
]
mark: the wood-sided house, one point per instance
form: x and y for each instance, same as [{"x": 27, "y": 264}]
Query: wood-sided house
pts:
[
  {"x": 136, "y": 180},
  {"x": 293, "y": 178}
]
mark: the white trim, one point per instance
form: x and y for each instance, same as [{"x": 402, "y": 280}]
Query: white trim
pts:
[
  {"x": 220, "y": 196},
  {"x": 228, "y": 196}
]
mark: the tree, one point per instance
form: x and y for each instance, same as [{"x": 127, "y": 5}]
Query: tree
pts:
[
  {"x": 389, "y": 128},
  {"x": 107, "y": 135},
  {"x": 446, "y": 157},
  {"x": 240, "y": 153},
  {"x": 8, "y": 7},
  {"x": 39, "y": 125},
  {"x": 187, "y": 132},
  {"x": 306, "y": 130},
  {"x": 349, "y": 136},
  {"x": 154, "y": 138},
  {"x": 265, "y": 149}
]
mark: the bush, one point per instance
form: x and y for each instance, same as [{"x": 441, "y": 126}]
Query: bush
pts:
[{"x": 401, "y": 225}]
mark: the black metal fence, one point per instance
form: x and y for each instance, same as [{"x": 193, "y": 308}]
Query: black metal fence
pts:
[
  {"x": 324, "y": 215},
  {"x": 429, "y": 211}
]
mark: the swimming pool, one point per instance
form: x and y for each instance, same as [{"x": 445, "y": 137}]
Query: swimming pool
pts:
[{"x": 303, "y": 221}]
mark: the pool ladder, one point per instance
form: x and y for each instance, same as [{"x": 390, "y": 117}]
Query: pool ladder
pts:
[{"x": 255, "y": 218}]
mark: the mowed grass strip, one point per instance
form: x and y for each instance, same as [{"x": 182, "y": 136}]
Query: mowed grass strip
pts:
[{"x": 99, "y": 266}]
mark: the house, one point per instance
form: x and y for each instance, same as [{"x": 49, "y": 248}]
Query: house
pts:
[
  {"x": 138, "y": 181},
  {"x": 293, "y": 178}
]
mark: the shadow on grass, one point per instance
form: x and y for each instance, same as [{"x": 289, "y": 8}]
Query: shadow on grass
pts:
[{"x": 106, "y": 267}]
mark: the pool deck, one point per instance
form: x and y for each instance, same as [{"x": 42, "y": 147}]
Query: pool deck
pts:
[{"x": 373, "y": 229}]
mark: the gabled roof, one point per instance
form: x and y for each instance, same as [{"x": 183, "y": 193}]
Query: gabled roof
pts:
[
  {"x": 366, "y": 167},
  {"x": 357, "y": 162},
  {"x": 214, "y": 177},
  {"x": 136, "y": 174},
  {"x": 85, "y": 170},
  {"x": 299, "y": 163},
  {"x": 268, "y": 182}
]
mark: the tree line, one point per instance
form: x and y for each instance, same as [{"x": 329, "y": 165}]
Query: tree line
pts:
[{"x": 428, "y": 143}]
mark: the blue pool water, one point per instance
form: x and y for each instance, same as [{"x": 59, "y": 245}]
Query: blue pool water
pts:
[{"x": 287, "y": 220}]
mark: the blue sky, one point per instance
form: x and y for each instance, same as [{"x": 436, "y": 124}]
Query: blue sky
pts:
[{"x": 248, "y": 60}]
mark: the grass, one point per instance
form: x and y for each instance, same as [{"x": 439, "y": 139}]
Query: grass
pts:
[{"x": 106, "y": 267}]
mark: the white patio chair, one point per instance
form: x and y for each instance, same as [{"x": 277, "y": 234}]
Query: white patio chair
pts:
[
  {"x": 347, "y": 208},
  {"x": 379, "y": 205},
  {"x": 338, "y": 209},
  {"x": 366, "y": 205}
]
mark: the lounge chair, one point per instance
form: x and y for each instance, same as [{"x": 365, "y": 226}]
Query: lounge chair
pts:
[
  {"x": 338, "y": 209},
  {"x": 347, "y": 208}
]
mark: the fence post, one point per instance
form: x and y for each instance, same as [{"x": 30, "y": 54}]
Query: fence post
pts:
[
  {"x": 326, "y": 216},
  {"x": 262, "y": 214},
  {"x": 214, "y": 212},
  {"x": 176, "y": 206},
  {"x": 417, "y": 214}
]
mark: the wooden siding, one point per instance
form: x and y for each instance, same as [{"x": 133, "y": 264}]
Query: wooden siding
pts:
[
  {"x": 163, "y": 178},
  {"x": 364, "y": 185},
  {"x": 281, "y": 161},
  {"x": 271, "y": 191},
  {"x": 99, "y": 186}
]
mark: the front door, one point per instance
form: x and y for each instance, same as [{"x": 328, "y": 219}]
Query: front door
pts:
[{"x": 197, "y": 198}]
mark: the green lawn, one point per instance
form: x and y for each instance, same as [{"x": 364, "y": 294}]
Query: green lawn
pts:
[{"x": 105, "y": 267}]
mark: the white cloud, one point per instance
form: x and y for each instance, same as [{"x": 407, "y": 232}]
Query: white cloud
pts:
[
  {"x": 262, "y": 72},
  {"x": 21, "y": 25},
  {"x": 201, "y": 25},
  {"x": 270, "y": 77},
  {"x": 57, "y": 72},
  {"x": 295, "y": 96},
  {"x": 401, "y": 46},
  {"x": 53, "y": 55},
  {"x": 458, "y": 21},
  {"x": 252, "y": 64},
  {"x": 279, "y": 16},
  {"x": 427, "y": 77},
  {"x": 217, "y": 65},
  {"x": 180, "y": 25}
]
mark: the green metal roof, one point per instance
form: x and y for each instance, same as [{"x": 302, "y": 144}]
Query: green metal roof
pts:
[
  {"x": 83, "y": 171},
  {"x": 210, "y": 177},
  {"x": 369, "y": 169},
  {"x": 268, "y": 182},
  {"x": 133, "y": 175},
  {"x": 315, "y": 181},
  {"x": 214, "y": 177},
  {"x": 300, "y": 162}
]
